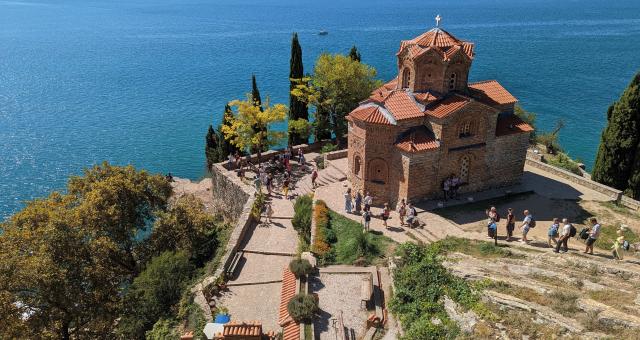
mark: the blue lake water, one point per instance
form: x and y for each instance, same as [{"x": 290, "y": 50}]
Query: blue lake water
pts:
[{"x": 137, "y": 82}]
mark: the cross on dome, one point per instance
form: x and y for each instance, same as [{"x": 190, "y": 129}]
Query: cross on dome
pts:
[{"x": 438, "y": 18}]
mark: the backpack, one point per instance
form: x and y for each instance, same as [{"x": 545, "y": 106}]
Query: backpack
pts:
[
  {"x": 584, "y": 233},
  {"x": 626, "y": 245},
  {"x": 497, "y": 217},
  {"x": 572, "y": 231},
  {"x": 553, "y": 231},
  {"x": 532, "y": 223},
  {"x": 367, "y": 216}
]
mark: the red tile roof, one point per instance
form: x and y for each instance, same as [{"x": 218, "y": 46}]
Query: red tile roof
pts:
[
  {"x": 447, "y": 106},
  {"x": 402, "y": 106},
  {"x": 510, "y": 124},
  {"x": 370, "y": 113},
  {"x": 493, "y": 91},
  {"x": 443, "y": 41},
  {"x": 291, "y": 329},
  {"x": 425, "y": 97},
  {"x": 417, "y": 139},
  {"x": 233, "y": 329}
]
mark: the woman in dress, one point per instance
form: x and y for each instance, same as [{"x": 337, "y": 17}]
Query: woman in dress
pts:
[{"x": 347, "y": 201}]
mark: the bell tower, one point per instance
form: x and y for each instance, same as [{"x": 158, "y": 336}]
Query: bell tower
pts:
[{"x": 435, "y": 61}]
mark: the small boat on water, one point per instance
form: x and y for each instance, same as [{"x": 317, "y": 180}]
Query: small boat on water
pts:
[{"x": 323, "y": 32}]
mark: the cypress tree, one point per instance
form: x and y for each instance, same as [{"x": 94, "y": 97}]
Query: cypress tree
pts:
[
  {"x": 212, "y": 147},
  {"x": 297, "y": 108},
  {"x": 226, "y": 147},
  {"x": 354, "y": 54},
  {"x": 255, "y": 93},
  {"x": 619, "y": 143},
  {"x": 257, "y": 101}
]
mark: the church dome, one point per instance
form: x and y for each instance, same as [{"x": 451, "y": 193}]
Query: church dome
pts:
[{"x": 439, "y": 39}]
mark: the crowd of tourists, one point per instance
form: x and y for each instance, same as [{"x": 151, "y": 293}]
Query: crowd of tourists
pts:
[
  {"x": 359, "y": 204},
  {"x": 558, "y": 234}
]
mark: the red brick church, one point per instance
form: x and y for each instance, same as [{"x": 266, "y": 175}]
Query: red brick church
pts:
[{"x": 430, "y": 122}]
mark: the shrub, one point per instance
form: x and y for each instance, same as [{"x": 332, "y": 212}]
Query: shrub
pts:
[
  {"x": 321, "y": 242},
  {"x": 153, "y": 293},
  {"x": 258, "y": 205},
  {"x": 302, "y": 307},
  {"x": 300, "y": 267},
  {"x": 163, "y": 329},
  {"x": 328, "y": 148},
  {"x": 302, "y": 217},
  {"x": 564, "y": 162}
]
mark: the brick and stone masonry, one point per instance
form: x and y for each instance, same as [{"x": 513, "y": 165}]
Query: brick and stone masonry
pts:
[{"x": 429, "y": 123}]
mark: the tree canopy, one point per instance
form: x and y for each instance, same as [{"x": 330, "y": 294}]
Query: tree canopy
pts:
[
  {"x": 68, "y": 259},
  {"x": 336, "y": 87},
  {"x": 354, "y": 54},
  {"x": 242, "y": 132},
  {"x": 618, "y": 158}
]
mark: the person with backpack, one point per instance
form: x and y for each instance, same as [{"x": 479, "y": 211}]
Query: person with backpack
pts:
[
  {"x": 527, "y": 223},
  {"x": 618, "y": 246},
  {"x": 366, "y": 216},
  {"x": 511, "y": 224},
  {"x": 553, "y": 233},
  {"x": 492, "y": 223},
  {"x": 593, "y": 235},
  {"x": 568, "y": 231},
  {"x": 411, "y": 215}
]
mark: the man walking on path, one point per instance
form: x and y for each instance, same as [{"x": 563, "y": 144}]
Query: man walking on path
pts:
[
  {"x": 593, "y": 235},
  {"x": 368, "y": 201},
  {"x": 527, "y": 224},
  {"x": 565, "y": 236}
]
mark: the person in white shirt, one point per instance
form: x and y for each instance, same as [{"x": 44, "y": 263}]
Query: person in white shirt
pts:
[
  {"x": 593, "y": 235},
  {"x": 368, "y": 201},
  {"x": 565, "y": 235},
  {"x": 526, "y": 225}
]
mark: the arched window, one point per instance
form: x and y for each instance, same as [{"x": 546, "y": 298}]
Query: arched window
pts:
[
  {"x": 465, "y": 129},
  {"x": 357, "y": 164},
  {"x": 452, "y": 81},
  {"x": 406, "y": 75},
  {"x": 464, "y": 169}
]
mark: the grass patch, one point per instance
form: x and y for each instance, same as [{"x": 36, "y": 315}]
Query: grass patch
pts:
[
  {"x": 452, "y": 211},
  {"x": 352, "y": 246},
  {"x": 307, "y": 332},
  {"x": 620, "y": 209},
  {"x": 616, "y": 299},
  {"x": 475, "y": 248}
]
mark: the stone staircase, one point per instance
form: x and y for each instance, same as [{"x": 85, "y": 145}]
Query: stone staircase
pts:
[{"x": 326, "y": 176}]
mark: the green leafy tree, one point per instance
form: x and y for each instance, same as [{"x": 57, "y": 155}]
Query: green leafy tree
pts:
[
  {"x": 153, "y": 294},
  {"x": 618, "y": 155},
  {"x": 116, "y": 205},
  {"x": 242, "y": 132},
  {"x": 336, "y": 87},
  {"x": 66, "y": 258},
  {"x": 354, "y": 54},
  {"x": 188, "y": 227},
  {"x": 297, "y": 108},
  {"x": 301, "y": 128}
]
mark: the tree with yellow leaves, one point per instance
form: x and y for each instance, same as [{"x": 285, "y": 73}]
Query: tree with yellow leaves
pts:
[{"x": 250, "y": 128}]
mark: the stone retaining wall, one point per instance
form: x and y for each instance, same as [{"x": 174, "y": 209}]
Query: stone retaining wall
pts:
[
  {"x": 335, "y": 155},
  {"x": 615, "y": 194},
  {"x": 229, "y": 192}
]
